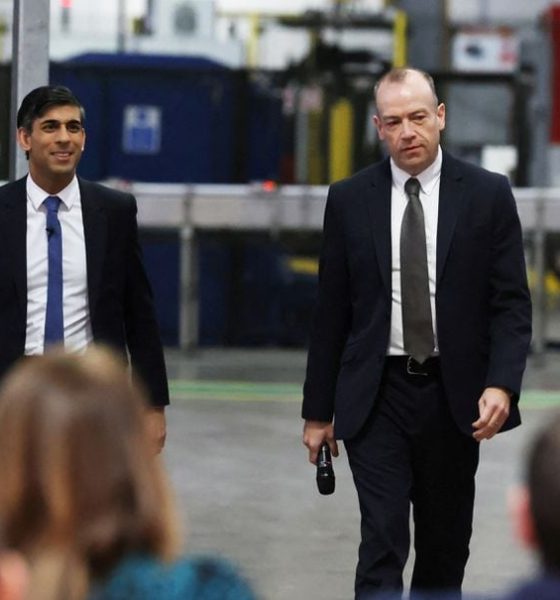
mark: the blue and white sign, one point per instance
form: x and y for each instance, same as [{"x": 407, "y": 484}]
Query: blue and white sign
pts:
[{"x": 142, "y": 129}]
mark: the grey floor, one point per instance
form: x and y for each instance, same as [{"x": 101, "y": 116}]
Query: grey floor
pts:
[{"x": 246, "y": 491}]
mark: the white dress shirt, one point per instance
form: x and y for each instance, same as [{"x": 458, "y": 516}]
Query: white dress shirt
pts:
[
  {"x": 429, "y": 197},
  {"x": 77, "y": 326}
]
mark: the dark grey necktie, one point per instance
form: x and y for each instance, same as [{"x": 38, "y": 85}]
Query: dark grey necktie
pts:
[{"x": 418, "y": 334}]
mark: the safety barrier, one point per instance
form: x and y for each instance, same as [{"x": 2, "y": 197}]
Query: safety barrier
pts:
[{"x": 300, "y": 208}]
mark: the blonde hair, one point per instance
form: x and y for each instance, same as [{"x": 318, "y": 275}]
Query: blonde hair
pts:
[{"x": 80, "y": 485}]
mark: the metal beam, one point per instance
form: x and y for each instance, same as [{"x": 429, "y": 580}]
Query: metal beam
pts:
[
  {"x": 121, "y": 26},
  {"x": 426, "y": 32},
  {"x": 30, "y": 65}
]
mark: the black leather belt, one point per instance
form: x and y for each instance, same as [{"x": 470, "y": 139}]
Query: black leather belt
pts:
[{"x": 411, "y": 367}]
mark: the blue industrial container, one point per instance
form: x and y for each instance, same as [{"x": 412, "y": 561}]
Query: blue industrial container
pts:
[
  {"x": 215, "y": 278},
  {"x": 173, "y": 119},
  {"x": 161, "y": 252},
  {"x": 265, "y": 131},
  {"x": 258, "y": 310},
  {"x": 153, "y": 118}
]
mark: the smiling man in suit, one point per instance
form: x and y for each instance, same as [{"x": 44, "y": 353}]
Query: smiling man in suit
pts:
[
  {"x": 72, "y": 270},
  {"x": 419, "y": 340}
]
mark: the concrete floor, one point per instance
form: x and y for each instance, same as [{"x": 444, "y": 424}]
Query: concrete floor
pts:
[{"x": 247, "y": 492}]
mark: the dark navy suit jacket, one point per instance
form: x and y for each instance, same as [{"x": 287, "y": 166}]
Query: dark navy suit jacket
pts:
[
  {"x": 483, "y": 308},
  {"x": 120, "y": 298}
]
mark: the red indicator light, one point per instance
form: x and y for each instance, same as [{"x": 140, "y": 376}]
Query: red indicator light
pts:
[{"x": 269, "y": 186}]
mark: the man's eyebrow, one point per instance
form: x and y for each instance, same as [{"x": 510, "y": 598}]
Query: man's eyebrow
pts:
[
  {"x": 58, "y": 122},
  {"x": 418, "y": 111}
]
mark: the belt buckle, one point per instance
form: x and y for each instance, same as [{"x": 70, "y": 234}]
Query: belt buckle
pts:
[{"x": 410, "y": 367}]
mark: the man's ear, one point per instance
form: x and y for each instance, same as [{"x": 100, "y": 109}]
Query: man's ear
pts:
[
  {"x": 379, "y": 125},
  {"x": 441, "y": 116},
  {"x": 14, "y": 576},
  {"x": 23, "y": 139},
  {"x": 519, "y": 502}
]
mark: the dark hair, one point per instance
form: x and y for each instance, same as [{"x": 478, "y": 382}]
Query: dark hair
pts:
[
  {"x": 399, "y": 74},
  {"x": 543, "y": 479},
  {"x": 43, "y": 98}
]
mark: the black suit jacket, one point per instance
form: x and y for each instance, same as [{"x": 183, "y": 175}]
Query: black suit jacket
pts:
[
  {"x": 483, "y": 310},
  {"x": 120, "y": 298}
]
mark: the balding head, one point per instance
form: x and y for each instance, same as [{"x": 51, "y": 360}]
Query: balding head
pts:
[
  {"x": 409, "y": 119},
  {"x": 399, "y": 74}
]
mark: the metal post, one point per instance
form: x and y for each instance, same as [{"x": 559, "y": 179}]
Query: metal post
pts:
[
  {"x": 399, "y": 39},
  {"x": 424, "y": 28},
  {"x": 539, "y": 296},
  {"x": 30, "y": 66},
  {"x": 483, "y": 11},
  {"x": 540, "y": 106},
  {"x": 302, "y": 139},
  {"x": 253, "y": 42},
  {"x": 121, "y": 26},
  {"x": 188, "y": 284},
  {"x": 150, "y": 10}
]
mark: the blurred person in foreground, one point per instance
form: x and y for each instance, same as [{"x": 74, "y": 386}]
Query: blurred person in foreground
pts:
[
  {"x": 82, "y": 496},
  {"x": 14, "y": 575},
  {"x": 419, "y": 340},
  {"x": 536, "y": 514},
  {"x": 71, "y": 269}
]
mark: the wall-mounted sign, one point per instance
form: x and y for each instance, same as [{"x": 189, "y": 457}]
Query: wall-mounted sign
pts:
[{"x": 141, "y": 129}]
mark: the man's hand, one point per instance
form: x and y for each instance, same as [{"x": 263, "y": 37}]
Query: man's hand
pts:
[
  {"x": 314, "y": 434},
  {"x": 156, "y": 428},
  {"x": 493, "y": 408}
]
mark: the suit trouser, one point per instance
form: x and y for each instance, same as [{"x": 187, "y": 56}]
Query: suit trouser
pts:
[{"x": 411, "y": 451}]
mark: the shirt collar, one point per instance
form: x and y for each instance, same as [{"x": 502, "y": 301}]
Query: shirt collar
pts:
[
  {"x": 427, "y": 178},
  {"x": 67, "y": 195}
]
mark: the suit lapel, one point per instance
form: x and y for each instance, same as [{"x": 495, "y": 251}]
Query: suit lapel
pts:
[
  {"x": 451, "y": 195},
  {"x": 13, "y": 220},
  {"x": 379, "y": 207},
  {"x": 95, "y": 233}
]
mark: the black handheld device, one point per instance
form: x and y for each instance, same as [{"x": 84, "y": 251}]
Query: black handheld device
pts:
[{"x": 325, "y": 472}]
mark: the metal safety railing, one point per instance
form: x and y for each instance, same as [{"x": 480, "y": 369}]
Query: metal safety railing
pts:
[
  {"x": 189, "y": 208},
  {"x": 267, "y": 208}
]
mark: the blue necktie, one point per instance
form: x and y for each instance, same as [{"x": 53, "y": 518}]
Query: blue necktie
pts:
[{"x": 54, "y": 322}]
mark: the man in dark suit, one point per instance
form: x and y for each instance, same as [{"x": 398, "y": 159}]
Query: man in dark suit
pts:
[
  {"x": 537, "y": 517},
  {"x": 71, "y": 264},
  {"x": 419, "y": 340}
]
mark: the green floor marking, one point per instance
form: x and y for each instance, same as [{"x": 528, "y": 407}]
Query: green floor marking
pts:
[
  {"x": 248, "y": 391},
  {"x": 540, "y": 399},
  {"x": 235, "y": 390}
]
